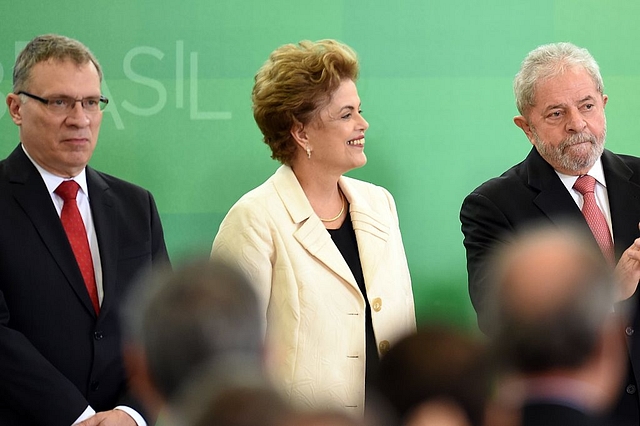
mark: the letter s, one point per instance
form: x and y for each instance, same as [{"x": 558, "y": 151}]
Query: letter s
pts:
[{"x": 135, "y": 77}]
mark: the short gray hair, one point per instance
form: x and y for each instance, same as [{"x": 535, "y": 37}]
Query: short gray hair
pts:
[
  {"x": 554, "y": 331},
  {"x": 47, "y": 47},
  {"x": 548, "y": 61},
  {"x": 202, "y": 313}
]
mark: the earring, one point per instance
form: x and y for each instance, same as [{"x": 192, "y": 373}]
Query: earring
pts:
[{"x": 309, "y": 153}]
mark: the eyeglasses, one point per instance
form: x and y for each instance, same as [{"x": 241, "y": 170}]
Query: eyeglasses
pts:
[{"x": 64, "y": 104}]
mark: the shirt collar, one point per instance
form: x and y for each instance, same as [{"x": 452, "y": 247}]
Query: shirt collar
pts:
[
  {"x": 596, "y": 171},
  {"x": 53, "y": 181}
]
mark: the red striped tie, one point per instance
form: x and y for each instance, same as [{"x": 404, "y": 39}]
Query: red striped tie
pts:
[
  {"x": 74, "y": 227},
  {"x": 596, "y": 220}
]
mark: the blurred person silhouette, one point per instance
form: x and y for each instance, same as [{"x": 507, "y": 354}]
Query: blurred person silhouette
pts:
[
  {"x": 234, "y": 396},
  {"x": 438, "y": 413},
  {"x": 325, "y": 418},
  {"x": 200, "y": 322},
  {"x": 436, "y": 375},
  {"x": 229, "y": 393},
  {"x": 323, "y": 250},
  {"x": 554, "y": 333}
]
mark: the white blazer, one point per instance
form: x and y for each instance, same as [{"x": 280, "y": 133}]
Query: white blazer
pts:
[{"x": 314, "y": 310}]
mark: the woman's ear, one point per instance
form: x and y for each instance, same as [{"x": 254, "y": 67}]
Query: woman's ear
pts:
[{"x": 299, "y": 134}]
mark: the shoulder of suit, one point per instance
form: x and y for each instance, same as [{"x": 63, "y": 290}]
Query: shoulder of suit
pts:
[
  {"x": 113, "y": 182},
  {"x": 368, "y": 197},
  {"x": 631, "y": 161},
  {"x": 508, "y": 181}
]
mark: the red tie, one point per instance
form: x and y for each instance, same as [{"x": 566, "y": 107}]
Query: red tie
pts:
[
  {"x": 596, "y": 220},
  {"x": 74, "y": 227}
]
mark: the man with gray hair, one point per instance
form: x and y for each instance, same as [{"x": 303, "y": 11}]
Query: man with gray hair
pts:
[
  {"x": 568, "y": 176},
  {"x": 72, "y": 240},
  {"x": 553, "y": 329},
  {"x": 190, "y": 335}
]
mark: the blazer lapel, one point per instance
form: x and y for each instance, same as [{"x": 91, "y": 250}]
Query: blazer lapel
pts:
[
  {"x": 31, "y": 193},
  {"x": 372, "y": 231},
  {"x": 104, "y": 221},
  {"x": 311, "y": 234},
  {"x": 553, "y": 198}
]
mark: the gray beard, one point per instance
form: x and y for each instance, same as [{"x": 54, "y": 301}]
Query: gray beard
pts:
[{"x": 560, "y": 156}]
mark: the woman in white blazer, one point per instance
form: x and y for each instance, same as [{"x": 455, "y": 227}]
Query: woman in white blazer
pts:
[{"x": 324, "y": 251}]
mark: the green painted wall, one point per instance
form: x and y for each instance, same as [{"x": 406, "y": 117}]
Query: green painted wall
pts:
[{"x": 435, "y": 87}]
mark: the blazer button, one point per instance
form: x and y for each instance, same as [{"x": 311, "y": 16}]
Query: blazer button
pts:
[
  {"x": 631, "y": 389},
  {"x": 384, "y": 347},
  {"x": 98, "y": 335},
  {"x": 377, "y": 304},
  {"x": 629, "y": 331}
]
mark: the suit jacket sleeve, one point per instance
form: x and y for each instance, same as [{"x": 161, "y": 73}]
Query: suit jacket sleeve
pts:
[
  {"x": 244, "y": 240},
  {"x": 26, "y": 376},
  {"x": 484, "y": 227},
  {"x": 159, "y": 260}
]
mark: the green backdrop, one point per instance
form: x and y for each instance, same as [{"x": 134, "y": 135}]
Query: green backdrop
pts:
[{"x": 435, "y": 87}]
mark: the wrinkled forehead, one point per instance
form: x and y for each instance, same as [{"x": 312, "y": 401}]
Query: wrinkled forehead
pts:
[
  {"x": 53, "y": 72},
  {"x": 56, "y": 66},
  {"x": 568, "y": 87}
]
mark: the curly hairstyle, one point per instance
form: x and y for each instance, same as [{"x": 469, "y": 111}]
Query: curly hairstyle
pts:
[{"x": 293, "y": 85}]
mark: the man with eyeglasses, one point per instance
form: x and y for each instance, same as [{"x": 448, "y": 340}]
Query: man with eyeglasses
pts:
[{"x": 72, "y": 240}]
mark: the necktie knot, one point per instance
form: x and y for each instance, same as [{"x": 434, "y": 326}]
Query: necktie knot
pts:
[
  {"x": 68, "y": 190},
  {"x": 585, "y": 184}
]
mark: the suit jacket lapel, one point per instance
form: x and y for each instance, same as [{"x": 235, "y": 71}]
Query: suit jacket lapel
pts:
[
  {"x": 553, "y": 199},
  {"x": 372, "y": 231},
  {"x": 557, "y": 204},
  {"x": 104, "y": 221},
  {"x": 311, "y": 234},
  {"x": 31, "y": 193}
]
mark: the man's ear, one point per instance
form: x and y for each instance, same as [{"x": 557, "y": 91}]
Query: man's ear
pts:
[
  {"x": 523, "y": 123},
  {"x": 14, "y": 105}
]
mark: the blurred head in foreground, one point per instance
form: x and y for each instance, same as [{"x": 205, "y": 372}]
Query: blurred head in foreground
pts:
[
  {"x": 553, "y": 319},
  {"x": 436, "y": 373},
  {"x": 202, "y": 318}
]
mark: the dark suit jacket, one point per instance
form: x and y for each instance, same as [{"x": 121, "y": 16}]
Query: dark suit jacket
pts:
[
  {"x": 550, "y": 414},
  {"x": 531, "y": 192},
  {"x": 56, "y": 356}
]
